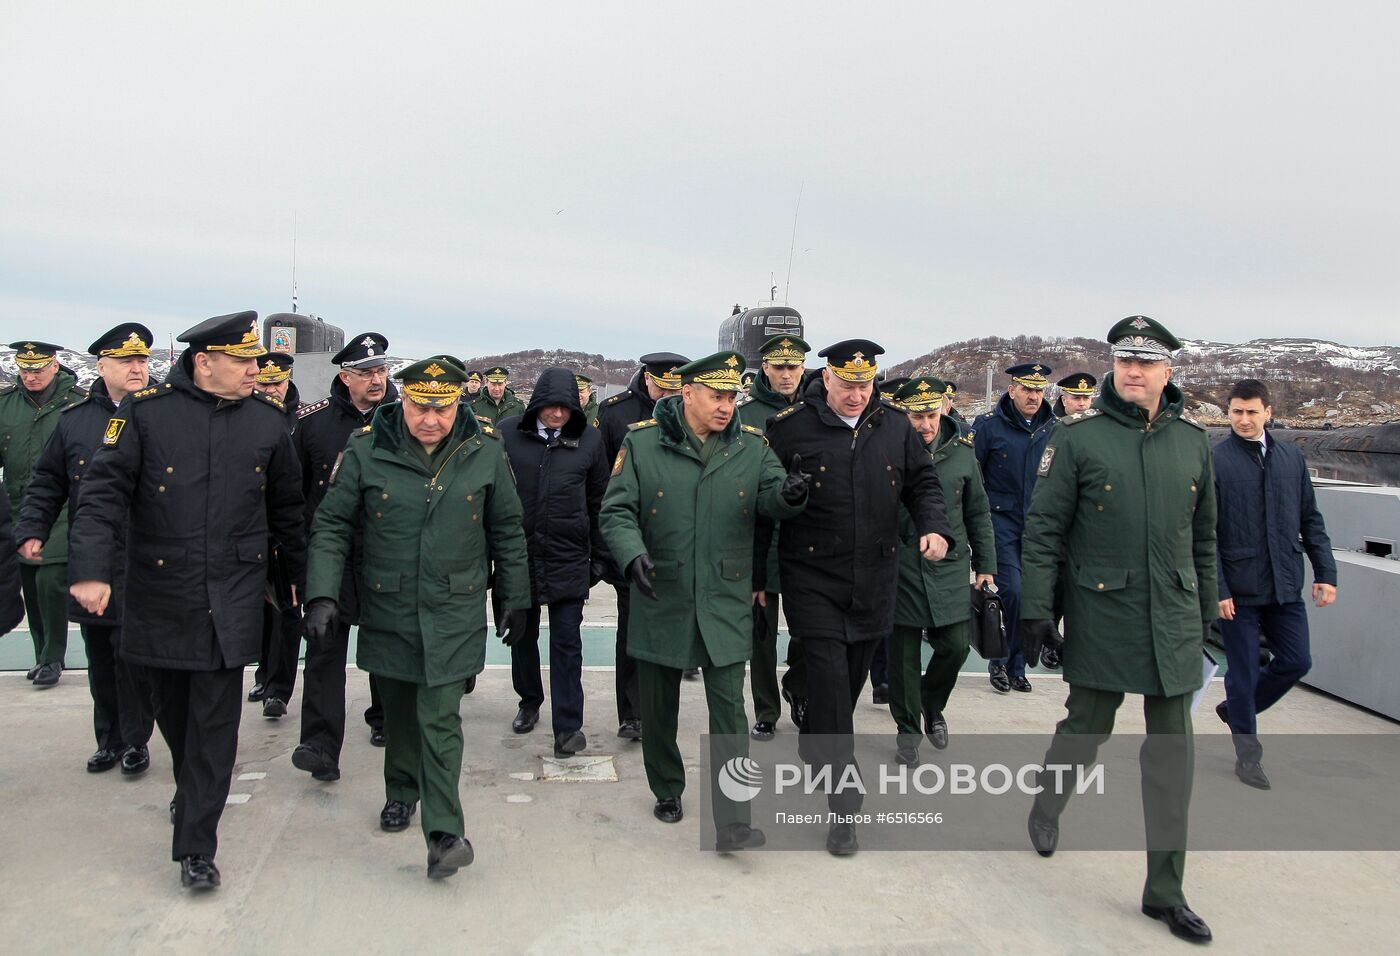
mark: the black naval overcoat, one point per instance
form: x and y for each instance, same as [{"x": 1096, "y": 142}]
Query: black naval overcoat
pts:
[
  {"x": 632, "y": 404},
  {"x": 206, "y": 482},
  {"x": 839, "y": 559},
  {"x": 322, "y": 430},
  {"x": 57, "y": 480}
]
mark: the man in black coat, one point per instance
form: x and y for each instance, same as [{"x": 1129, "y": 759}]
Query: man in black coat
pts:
[
  {"x": 839, "y": 559},
  {"x": 204, "y": 471},
  {"x": 323, "y": 428},
  {"x": 1266, "y": 520},
  {"x": 122, "y": 716},
  {"x": 656, "y": 379},
  {"x": 561, "y": 472},
  {"x": 276, "y": 676}
]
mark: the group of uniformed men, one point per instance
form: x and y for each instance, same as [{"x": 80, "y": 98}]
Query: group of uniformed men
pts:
[{"x": 865, "y": 516}]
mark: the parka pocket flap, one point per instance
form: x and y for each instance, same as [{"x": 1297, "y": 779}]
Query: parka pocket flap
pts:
[
  {"x": 1101, "y": 579},
  {"x": 382, "y": 581},
  {"x": 463, "y": 582},
  {"x": 1188, "y": 578},
  {"x": 665, "y": 570},
  {"x": 254, "y": 552},
  {"x": 736, "y": 569}
]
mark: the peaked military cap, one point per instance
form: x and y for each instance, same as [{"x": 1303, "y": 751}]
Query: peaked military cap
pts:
[
  {"x": 1031, "y": 375},
  {"x": 784, "y": 350},
  {"x": 274, "y": 368},
  {"x": 454, "y": 360},
  {"x": 1142, "y": 338},
  {"x": 498, "y": 374},
  {"x": 950, "y": 387},
  {"x": 235, "y": 334},
  {"x": 720, "y": 371},
  {"x": 581, "y": 380},
  {"x": 127, "y": 340},
  {"x": 852, "y": 360},
  {"x": 432, "y": 382},
  {"x": 367, "y": 350},
  {"x": 923, "y": 393},
  {"x": 34, "y": 355},
  {"x": 661, "y": 368},
  {"x": 1078, "y": 383},
  {"x": 473, "y": 376},
  {"x": 889, "y": 386}
]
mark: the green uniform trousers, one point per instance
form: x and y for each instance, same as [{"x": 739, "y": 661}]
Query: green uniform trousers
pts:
[
  {"x": 45, "y": 588},
  {"x": 423, "y": 751},
  {"x": 1167, "y": 761},
  {"x": 910, "y": 695},
  {"x": 729, "y": 732}
]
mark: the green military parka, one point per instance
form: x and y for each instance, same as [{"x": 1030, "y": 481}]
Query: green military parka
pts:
[{"x": 25, "y": 429}]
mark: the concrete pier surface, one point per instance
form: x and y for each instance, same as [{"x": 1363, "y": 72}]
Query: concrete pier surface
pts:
[{"x": 582, "y": 866}]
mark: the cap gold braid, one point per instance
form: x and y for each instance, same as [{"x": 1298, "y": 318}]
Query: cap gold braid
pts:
[
  {"x": 785, "y": 352},
  {"x": 134, "y": 345},
  {"x": 1036, "y": 379},
  {"x": 432, "y": 393},
  {"x": 669, "y": 381},
  {"x": 247, "y": 347},
  {"x": 270, "y": 373},
  {"x": 33, "y": 358},
  {"x": 857, "y": 368},
  {"x": 926, "y": 398}
]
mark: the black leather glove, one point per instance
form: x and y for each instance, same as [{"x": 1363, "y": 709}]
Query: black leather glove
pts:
[
  {"x": 1037, "y": 635},
  {"x": 596, "y": 572},
  {"x": 640, "y": 571},
  {"x": 319, "y": 620},
  {"x": 511, "y": 627},
  {"x": 794, "y": 489}
]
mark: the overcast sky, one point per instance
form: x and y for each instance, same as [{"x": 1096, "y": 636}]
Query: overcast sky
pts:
[{"x": 478, "y": 178}]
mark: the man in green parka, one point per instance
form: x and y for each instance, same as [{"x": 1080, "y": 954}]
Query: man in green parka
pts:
[
  {"x": 586, "y": 398},
  {"x": 28, "y": 416},
  {"x": 433, "y": 491},
  {"x": 1125, "y": 497},
  {"x": 774, "y": 389},
  {"x": 679, "y": 516},
  {"x": 497, "y": 401},
  {"x": 933, "y": 596}
]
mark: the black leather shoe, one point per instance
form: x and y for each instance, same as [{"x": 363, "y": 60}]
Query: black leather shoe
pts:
[
  {"x": 1050, "y": 659},
  {"x": 762, "y": 730},
  {"x": 566, "y": 745},
  {"x": 274, "y": 708},
  {"x": 996, "y": 673},
  {"x": 630, "y": 729},
  {"x": 376, "y": 735},
  {"x": 880, "y": 694},
  {"x": 448, "y": 853},
  {"x": 198, "y": 873},
  {"x": 691, "y": 673},
  {"x": 258, "y": 692},
  {"x": 936, "y": 729},
  {"x": 104, "y": 759},
  {"x": 1250, "y": 772},
  {"x": 396, "y": 814},
  {"x": 841, "y": 839},
  {"x": 47, "y": 675},
  {"x": 668, "y": 810},
  {"x": 32, "y": 672},
  {"x": 469, "y": 686},
  {"x": 797, "y": 709},
  {"x": 136, "y": 760},
  {"x": 1044, "y": 831},
  {"x": 1021, "y": 684},
  {"x": 1183, "y": 923},
  {"x": 907, "y": 755},
  {"x": 1223, "y": 712},
  {"x": 525, "y": 720},
  {"x": 316, "y": 762},
  {"x": 738, "y": 836}
]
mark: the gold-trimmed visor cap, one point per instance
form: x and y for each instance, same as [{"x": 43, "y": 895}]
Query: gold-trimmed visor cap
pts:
[
  {"x": 922, "y": 394},
  {"x": 722, "y": 372},
  {"x": 784, "y": 350},
  {"x": 1033, "y": 375},
  {"x": 128, "y": 340},
  {"x": 32, "y": 356},
  {"x": 235, "y": 334},
  {"x": 274, "y": 369},
  {"x": 853, "y": 360},
  {"x": 431, "y": 382}
]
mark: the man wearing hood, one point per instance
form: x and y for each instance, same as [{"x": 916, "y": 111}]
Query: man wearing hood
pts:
[
  {"x": 28, "y": 416},
  {"x": 203, "y": 470},
  {"x": 323, "y": 428},
  {"x": 561, "y": 473},
  {"x": 1126, "y": 490},
  {"x": 121, "y": 704},
  {"x": 1008, "y": 441},
  {"x": 655, "y": 380}
]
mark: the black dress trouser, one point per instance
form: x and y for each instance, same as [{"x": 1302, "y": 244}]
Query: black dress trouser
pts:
[
  {"x": 835, "y": 678},
  {"x": 323, "y": 693},
  {"x": 122, "y": 715},
  {"x": 198, "y": 713}
]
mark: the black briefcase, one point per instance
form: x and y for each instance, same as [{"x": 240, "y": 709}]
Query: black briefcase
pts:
[{"x": 988, "y": 637}]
